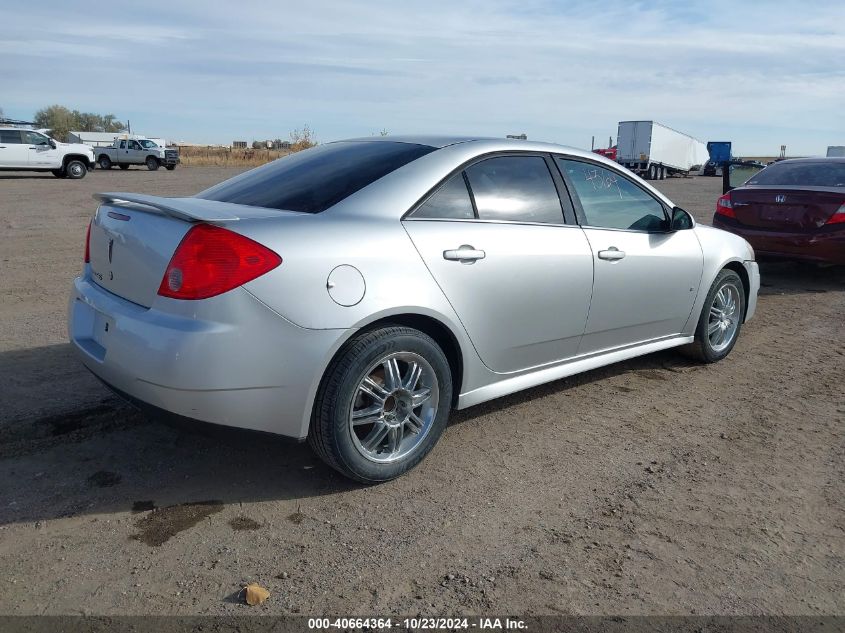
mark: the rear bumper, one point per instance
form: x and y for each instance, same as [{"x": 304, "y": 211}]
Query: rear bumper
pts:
[
  {"x": 827, "y": 245},
  {"x": 229, "y": 360}
]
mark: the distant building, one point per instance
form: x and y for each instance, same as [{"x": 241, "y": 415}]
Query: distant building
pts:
[{"x": 238, "y": 144}]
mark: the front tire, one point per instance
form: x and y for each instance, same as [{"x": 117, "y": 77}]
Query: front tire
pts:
[
  {"x": 75, "y": 169},
  {"x": 721, "y": 319},
  {"x": 382, "y": 405},
  {"x": 152, "y": 163}
]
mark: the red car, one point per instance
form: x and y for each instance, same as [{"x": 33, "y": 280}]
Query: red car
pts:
[{"x": 792, "y": 209}]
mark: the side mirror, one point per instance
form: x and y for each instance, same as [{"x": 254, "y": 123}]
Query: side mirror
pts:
[
  {"x": 52, "y": 143},
  {"x": 737, "y": 174},
  {"x": 681, "y": 220}
]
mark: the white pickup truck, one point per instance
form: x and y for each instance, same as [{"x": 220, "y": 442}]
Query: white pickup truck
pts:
[
  {"x": 31, "y": 150},
  {"x": 136, "y": 151}
]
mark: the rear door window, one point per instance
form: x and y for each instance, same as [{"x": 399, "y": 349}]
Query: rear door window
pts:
[
  {"x": 450, "y": 202},
  {"x": 516, "y": 189},
  {"x": 609, "y": 200},
  {"x": 10, "y": 137}
]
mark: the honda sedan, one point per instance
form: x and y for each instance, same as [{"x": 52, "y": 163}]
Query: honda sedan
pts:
[{"x": 355, "y": 293}]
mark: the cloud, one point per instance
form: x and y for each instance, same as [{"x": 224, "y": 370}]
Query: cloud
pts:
[{"x": 765, "y": 73}]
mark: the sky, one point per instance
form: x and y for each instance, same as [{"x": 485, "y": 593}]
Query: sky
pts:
[{"x": 759, "y": 74}]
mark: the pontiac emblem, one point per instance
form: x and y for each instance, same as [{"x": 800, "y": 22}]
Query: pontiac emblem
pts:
[
  {"x": 778, "y": 198},
  {"x": 111, "y": 247}
]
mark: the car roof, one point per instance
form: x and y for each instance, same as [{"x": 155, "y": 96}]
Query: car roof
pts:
[
  {"x": 489, "y": 143},
  {"x": 812, "y": 159}
]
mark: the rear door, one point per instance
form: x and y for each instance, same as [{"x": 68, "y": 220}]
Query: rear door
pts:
[
  {"x": 517, "y": 274},
  {"x": 646, "y": 279},
  {"x": 13, "y": 152}
]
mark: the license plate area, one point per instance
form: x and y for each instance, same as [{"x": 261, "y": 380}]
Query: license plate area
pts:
[{"x": 781, "y": 213}]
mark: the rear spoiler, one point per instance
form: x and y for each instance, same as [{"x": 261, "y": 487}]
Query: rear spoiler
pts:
[{"x": 189, "y": 209}]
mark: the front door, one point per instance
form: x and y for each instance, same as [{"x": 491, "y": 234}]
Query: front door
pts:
[
  {"x": 518, "y": 277},
  {"x": 646, "y": 278},
  {"x": 41, "y": 153}
]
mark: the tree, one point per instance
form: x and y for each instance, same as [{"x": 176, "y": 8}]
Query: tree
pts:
[
  {"x": 302, "y": 139},
  {"x": 60, "y": 120}
]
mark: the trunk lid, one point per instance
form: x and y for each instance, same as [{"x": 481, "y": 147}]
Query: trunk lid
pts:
[
  {"x": 134, "y": 236},
  {"x": 786, "y": 208}
]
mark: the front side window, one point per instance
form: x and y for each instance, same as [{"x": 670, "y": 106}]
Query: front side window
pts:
[
  {"x": 36, "y": 138},
  {"x": 313, "y": 180},
  {"x": 450, "y": 202},
  {"x": 10, "y": 137},
  {"x": 122, "y": 144},
  {"x": 610, "y": 200},
  {"x": 134, "y": 145},
  {"x": 515, "y": 188},
  {"x": 148, "y": 144}
]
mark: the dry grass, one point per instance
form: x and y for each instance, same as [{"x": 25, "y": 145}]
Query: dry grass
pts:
[{"x": 228, "y": 157}]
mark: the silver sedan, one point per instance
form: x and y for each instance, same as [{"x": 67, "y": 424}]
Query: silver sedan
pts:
[{"x": 354, "y": 293}]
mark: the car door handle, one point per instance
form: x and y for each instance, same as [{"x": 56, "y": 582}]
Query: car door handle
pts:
[
  {"x": 612, "y": 254},
  {"x": 466, "y": 254}
]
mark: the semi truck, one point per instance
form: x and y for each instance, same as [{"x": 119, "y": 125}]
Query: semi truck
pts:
[
  {"x": 136, "y": 151},
  {"x": 655, "y": 151}
]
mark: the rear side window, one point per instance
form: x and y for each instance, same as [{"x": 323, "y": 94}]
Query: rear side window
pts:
[
  {"x": 820, "y": 174},
  {"x": 515, "y": 188},
  {"x": 450, "y": 202},
  {"x": 11, "y": 137},
  {"x": 610, "y": 200},
  {"x": 316, "y": 179}
]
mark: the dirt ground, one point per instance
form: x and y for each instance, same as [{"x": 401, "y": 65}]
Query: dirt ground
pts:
[{"x": 657, "y": 486}]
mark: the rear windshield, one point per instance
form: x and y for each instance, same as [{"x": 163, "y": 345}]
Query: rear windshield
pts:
[
  {"x": 316, "y": 179},
  {"x": 821, "y": 174}
]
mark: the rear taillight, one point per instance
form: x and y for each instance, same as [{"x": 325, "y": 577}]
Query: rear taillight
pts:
[
  {"x": 838, "y": 217},
  {"x": 88, "y": 244},
  {"x": 724, "y": 207},
  {"x": 211, "y": 260}
]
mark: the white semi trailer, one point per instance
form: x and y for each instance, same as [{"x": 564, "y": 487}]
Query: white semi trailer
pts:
[{"x": 655, "y": 151}]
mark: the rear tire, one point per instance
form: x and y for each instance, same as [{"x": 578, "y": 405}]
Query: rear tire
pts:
[
  {"x": 104, "y": 162},
  {"x": 662, "y": 173},
  {"x": 76, "y": 169},
  {"x": 652, "y": 172},
  {"x": 152, "y": 163},
  {"x": 720, "y": 321},
  {"x": 382, "y": 405}
]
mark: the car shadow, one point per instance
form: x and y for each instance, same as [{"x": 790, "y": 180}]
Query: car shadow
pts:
[
  {"x": 799, "y": 277},
  {"x": 69, "y": 447}
]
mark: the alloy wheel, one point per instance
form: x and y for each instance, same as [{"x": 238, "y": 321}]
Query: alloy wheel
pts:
[
  {"x": 394, "y": 407},
  {"x": 724, "y": 317}
]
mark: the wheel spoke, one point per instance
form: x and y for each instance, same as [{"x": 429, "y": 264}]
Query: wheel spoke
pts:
[
  {"x": 392, "y": 377},
  {"x": 375, "y": 437},
  {"x": 713, "y": 328},
  {"x": 419, "y": 397},
  {"x": 374, "y": 390},
  {"x": 368, "y": 415},
  {"x": 716, "y": 312},
  {"x": 414, "y": 373},
  {"x": 394, "y": 438},
  {"x": 415, "y": 424}
]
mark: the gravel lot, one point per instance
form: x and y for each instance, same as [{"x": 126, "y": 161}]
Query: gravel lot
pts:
[{"x": 657, "y": 486}]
